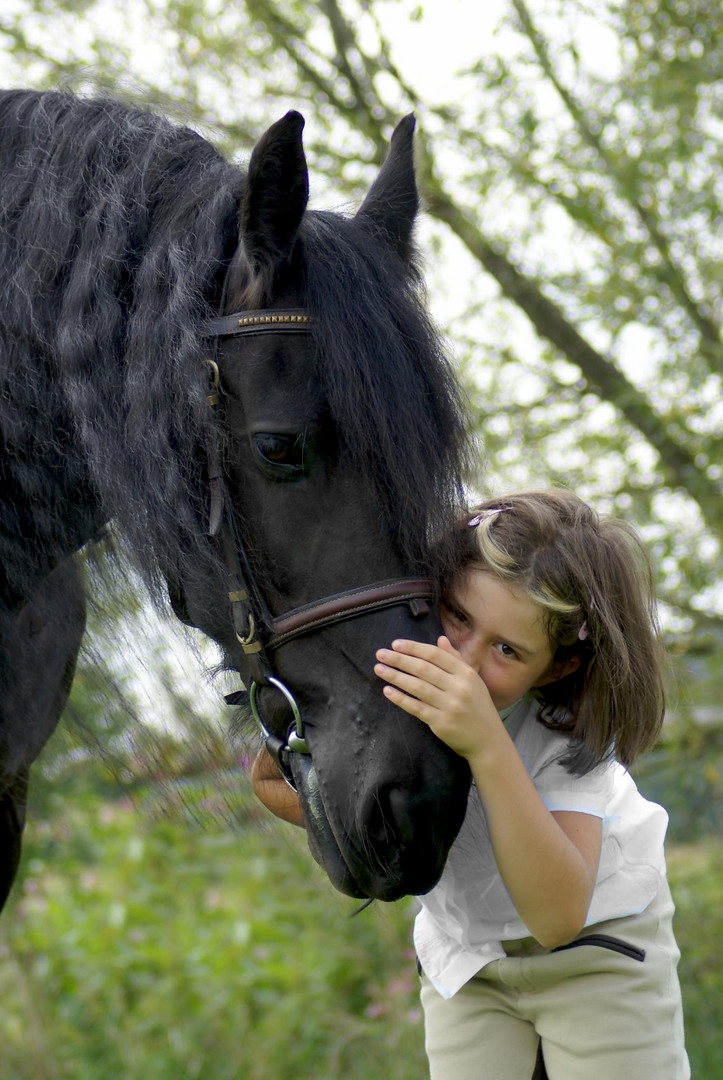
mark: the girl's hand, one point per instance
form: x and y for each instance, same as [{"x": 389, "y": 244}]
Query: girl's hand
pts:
[
  {"x": 434, "y": 683},
  {"x": 548, "y": 860},
  {"x": 273, "y": 791}
]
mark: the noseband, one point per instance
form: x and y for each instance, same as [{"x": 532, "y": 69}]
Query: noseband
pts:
[{"x": 257, "y": 631}]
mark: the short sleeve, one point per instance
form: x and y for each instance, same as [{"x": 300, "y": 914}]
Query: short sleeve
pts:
[
  {"x": 589, "y": 794},
  {"x": 542, "y": 751}
]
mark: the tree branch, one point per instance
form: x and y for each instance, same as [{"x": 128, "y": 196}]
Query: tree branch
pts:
[
  {"x": 673, "y": 277},
  {"x": 678, "y": 465}
]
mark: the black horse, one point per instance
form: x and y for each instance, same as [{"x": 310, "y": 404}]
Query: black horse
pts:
[{"x": 253, "y": 395}]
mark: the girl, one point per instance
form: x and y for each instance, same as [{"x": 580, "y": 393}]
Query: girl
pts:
[{"x": 551, "y": 924}]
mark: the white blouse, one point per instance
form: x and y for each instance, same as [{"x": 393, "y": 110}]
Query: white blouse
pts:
[{"x": 466, "y": 916}]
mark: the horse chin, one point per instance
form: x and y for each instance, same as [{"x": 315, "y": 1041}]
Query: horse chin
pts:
[{"x": 322, "y": 842}]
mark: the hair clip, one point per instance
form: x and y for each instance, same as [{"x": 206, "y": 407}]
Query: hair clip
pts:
[
  {"x": 582, "y": 633},
  {"x": 477, "y": 519}
]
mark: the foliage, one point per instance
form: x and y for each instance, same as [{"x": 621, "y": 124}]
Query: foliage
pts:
[
  {"x": 141, "y": 946},
  {"x": 686, "y": 775},
  {"x": 143, "y": 941},
  {"x": 696, "y": 875}
]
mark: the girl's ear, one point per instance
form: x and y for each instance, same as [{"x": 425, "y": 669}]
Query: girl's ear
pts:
[{"x": 557, "y": 670}]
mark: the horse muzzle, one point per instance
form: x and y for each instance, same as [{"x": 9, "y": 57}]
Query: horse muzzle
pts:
[
  {"x": 322, "y": 842},
  {"x": 381, "y": 832}
]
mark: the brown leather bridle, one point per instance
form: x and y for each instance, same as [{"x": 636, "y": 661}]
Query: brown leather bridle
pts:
[{"x": 257, "y": 631}]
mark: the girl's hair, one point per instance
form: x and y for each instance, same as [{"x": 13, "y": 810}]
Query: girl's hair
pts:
[{"x": 592, "y": 578}]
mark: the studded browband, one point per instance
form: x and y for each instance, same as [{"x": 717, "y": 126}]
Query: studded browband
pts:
[{"x": 283, "y": 321}]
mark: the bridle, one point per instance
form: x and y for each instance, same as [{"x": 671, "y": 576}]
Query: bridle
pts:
[{"x": 258, "y": 632}]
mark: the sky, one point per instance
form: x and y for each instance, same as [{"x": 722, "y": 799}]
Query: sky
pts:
[{"x": 430, "y": 50}]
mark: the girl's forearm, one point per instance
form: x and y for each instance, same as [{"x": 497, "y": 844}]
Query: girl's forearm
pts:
[{"x": 549, "y": 877}]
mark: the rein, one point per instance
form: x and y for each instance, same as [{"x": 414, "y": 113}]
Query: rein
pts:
[{"x": 257, "y": 631}]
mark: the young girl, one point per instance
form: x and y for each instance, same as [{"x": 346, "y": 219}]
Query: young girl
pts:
[{"x": 551, "y": 924}]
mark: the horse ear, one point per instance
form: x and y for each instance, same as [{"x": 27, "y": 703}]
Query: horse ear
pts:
[
  {"x": 392, "y": 202},
  {"x": 276, "y": 194}
]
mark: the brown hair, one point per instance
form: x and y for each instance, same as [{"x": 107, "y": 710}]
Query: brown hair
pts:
[{"x": 592, "y": 578}]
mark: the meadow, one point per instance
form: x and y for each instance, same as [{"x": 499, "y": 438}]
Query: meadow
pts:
[{"x": 171, "y": 937}]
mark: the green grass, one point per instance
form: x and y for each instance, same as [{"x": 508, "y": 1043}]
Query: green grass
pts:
[
  {"x": 137, "y": 948},
  {"x": 696, "y": 877}
]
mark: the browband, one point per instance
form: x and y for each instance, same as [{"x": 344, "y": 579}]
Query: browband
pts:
[{"x": 283, "y": 321}]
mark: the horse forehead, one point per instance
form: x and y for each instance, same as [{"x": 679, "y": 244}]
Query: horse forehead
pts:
[{"x": 274, "y": 374}]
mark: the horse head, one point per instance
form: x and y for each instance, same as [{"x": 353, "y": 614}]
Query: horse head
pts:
[{"x": 340, "y": 437}]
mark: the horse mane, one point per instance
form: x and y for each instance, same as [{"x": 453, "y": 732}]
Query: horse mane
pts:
[
  {"x": 117, "y": 227},
  {"x": 115, "y": 224},
  {"x": 389, "y": 385}
]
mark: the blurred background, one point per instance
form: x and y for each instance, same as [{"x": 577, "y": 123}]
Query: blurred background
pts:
[{"x": 569, "y": 157}]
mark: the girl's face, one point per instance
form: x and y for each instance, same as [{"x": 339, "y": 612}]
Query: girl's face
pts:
[{"x": 500, "y": 633}]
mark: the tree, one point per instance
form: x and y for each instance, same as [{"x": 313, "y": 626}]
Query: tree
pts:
[{"x": 574, "y": 217}]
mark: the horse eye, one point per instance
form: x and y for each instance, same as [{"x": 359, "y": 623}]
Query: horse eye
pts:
[{"x": 283, "y": 452}]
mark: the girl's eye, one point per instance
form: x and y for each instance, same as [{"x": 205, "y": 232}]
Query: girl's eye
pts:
[
  {"x": 507, "y": 650},
  {"x": 282, "y": 452}
]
